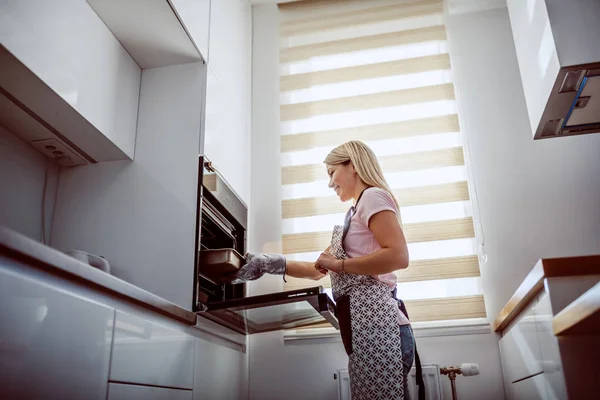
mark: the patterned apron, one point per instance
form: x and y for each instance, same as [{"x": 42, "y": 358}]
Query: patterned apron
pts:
[{"x": 370, "y": 327}]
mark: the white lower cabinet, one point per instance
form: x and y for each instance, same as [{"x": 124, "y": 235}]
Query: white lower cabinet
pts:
[
  {"x": 520, "y": 348},
  {"x": 531, "y": 360},
  {"x": 117, "y": 391},
  {"x": 149, "y": 353},
  {"x": 549, "y": 351},
  {"x": 220, "y": 369},
  {"x": 533, "y": 388},
  {"x": 53, "y": 344}
]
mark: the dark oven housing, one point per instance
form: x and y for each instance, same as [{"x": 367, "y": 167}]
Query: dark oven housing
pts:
[{"x": 221, "y": 223}]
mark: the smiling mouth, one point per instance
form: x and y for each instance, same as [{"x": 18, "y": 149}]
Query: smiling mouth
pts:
[{"x": 337, "y": 190}]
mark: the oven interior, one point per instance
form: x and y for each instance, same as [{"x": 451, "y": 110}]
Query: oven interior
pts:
[
  {"x": 221, "y": 223},
  {"x": 217, "y": 231}
]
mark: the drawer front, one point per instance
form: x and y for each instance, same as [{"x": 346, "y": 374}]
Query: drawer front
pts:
[
  {"x": 533, "y": 388},
  {"x": 53, "y": 343},
  {"x": 220, "y": 370},
  {"x": 520, "y": 348},
  {"x": 148, "y": 353},
  {"x": 118, "y": 391},
  {"x": 550, "y": 354}
]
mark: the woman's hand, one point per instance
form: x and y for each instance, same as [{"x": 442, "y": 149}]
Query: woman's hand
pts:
[
  {"x": 257, "y": 265},
  {"x": 328, "y": 262}
]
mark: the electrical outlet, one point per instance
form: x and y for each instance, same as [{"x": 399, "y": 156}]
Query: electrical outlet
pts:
[{"x": 59, "y": 152}]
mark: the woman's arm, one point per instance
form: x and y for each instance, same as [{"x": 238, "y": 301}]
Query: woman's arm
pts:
[
  {"x": 303, "y": 269},
  {"x": 392, "y": 256}
]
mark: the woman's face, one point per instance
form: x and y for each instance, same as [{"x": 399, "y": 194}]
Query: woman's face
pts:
[{"x": 342, "y": 179}]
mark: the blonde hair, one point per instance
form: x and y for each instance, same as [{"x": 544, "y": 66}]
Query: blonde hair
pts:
[{"x": 365, "y": 163}]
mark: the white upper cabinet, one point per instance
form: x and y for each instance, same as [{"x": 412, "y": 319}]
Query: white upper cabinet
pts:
[
  {"x": 150, "y": 31},
  {"x": 64, "y": 65},
  {"x": 559, "y": 60},
  {"x": 228, "y": 103},
  {"x": 195, "y": 15}
]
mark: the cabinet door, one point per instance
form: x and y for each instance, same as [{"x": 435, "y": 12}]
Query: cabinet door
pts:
[
  {"x": 195, "y": 15},
  {"x": 220, "y": 370},
  {"x": 549, "y": 352},
  {"x": 520, "y": 349},
  {"x": 66, "y": 45},
  {"x": 118, "y": 391},
  {"x": 148, "y": 353},
  {"x": 229, "y": 92},
  {"x": 53, "y": 344},
  {"x": 530, "y": 389},
  {"x": 213, "y": 144}
]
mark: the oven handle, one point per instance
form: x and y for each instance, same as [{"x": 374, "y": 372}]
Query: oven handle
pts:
[{"x": 327, "y": 310}]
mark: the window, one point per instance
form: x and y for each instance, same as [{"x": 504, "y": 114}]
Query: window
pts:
[{"x": 379, "y": 71}]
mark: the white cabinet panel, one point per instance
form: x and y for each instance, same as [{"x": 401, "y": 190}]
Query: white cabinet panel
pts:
[
  {"x": 520, "y": 348},
  {"x": 148, "y": 353},
  {"x": 213, "y": 123},
  {"x": 143, "y": 213},
  {"x": 549, "y": 351},
  {"x": 195, "y": 15},
  {"x": 536, "y": 54},
  {"x": 66, "y": 45},
  {"x": 219, "y": 371},
  {"x": 118, "y": 391},
  {"x": 53, "y": 344},
  {"x": 228, "y": 101},
  {"x": 530, "y": 389}
]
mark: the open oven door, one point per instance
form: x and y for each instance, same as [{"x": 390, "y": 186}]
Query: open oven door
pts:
[{"x": 271, "y": 312}]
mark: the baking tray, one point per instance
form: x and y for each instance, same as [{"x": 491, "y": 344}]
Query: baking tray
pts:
[{"x": 219, "y": 265}]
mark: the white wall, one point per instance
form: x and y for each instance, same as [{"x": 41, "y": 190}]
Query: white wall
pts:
[
  {"x": 228, "y": 106},
  {"x": 304, "y": 369},
  {"x": 536, "y": 198},
  {"x": 141, "y": 215},
  {"x": 22, "y": 170}
]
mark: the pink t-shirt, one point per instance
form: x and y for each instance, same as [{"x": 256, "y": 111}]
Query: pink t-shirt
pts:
[{"x": 360, "y": 241}]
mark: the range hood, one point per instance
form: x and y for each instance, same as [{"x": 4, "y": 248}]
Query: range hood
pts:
[{"x": 558, "y": 50}]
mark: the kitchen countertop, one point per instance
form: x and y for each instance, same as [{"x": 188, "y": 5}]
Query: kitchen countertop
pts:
[
  {"x": 534, "y": 283},
  {"x": 582, "y": 316},
  {"x": 31, "y": 252}
]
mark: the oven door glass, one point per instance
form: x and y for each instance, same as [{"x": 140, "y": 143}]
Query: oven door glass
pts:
[{"x": 276, "y": 311}]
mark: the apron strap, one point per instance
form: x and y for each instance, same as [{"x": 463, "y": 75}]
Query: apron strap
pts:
[{"x": 419, "y": 370}]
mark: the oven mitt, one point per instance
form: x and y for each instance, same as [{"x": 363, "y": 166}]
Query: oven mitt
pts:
[{"x": 259, "y": 264}]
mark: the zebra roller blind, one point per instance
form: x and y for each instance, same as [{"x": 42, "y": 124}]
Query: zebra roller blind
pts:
[{"x": 379, "y": 71}]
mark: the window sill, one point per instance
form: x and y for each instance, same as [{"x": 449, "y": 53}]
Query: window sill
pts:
[{"x": 478, "y": 326}]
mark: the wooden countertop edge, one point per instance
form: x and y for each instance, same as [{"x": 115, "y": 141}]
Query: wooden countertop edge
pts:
[
  {"x": 534, "y": 283},
  {"x": 578, "y": 311},
  {"x": 29, "y": 251}
]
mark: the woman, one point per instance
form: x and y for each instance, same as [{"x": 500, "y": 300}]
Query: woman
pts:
[{"x": 361, "y": 259}]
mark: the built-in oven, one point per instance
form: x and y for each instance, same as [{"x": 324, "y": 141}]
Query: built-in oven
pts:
[{"x": 221, "y": 224}]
